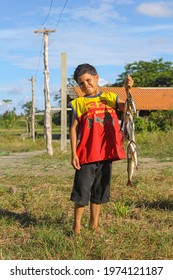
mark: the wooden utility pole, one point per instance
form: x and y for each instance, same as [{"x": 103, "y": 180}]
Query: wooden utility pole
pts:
[
  {"x": 33, "y": 108},
  {"x": 63, "y": 103},
  {"x": 48, "y": 119}
]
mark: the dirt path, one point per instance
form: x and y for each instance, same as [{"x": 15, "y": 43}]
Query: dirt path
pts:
[
  {"x": 14, "y": 156},
  {"x": 27, "y": 162},
  {"x": 16, "y": 163}
]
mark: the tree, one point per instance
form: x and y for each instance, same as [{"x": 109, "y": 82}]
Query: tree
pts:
[
  {"x": 155, "y": 73},
  {"x": 27, "y": 107},
  {"x": 70, "y": 83},
  {"x": 9, "y": 118},
  {"x": 7, "y": 101}
]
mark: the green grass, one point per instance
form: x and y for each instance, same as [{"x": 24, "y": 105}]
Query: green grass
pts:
[
  {"x": 157, "y": 144},
  {"x": 36, "y": 213},
  {"x": 10, "y": 143}
]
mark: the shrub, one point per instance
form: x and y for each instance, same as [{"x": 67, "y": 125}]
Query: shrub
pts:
[
  {"x": 162, "y": 120},
  {"x": 140, "y": 125}
]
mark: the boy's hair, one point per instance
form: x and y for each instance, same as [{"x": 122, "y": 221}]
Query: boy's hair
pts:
[{"x": 83, "y": 69}]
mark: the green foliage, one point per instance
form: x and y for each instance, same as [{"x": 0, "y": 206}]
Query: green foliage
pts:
[
  {"x": 7, "y": 101},
  {"x": 140, "y": 125},
  {"x": 56, "y": 118},
  {"x": 27, "y": 107},
  {"x": 40, "y": 120},
  {"x": 8, "y": 119},
  {"x": 155, "y": 73},
  {"x": 162, "y": 120},
  {"x": 14, "y": 143},
  {"x": 57, "y": 97},
  {"x": 156, "y": 120},
  {"x": 120, "y": 209},
  {"x": 71, "y": 82}
]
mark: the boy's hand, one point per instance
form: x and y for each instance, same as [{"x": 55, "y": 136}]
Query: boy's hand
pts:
[
  {"x": 128, "y": 83},
  {"x": 75, "y": 162}
]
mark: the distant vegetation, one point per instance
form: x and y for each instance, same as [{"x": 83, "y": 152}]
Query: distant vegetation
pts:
[
  {"x": 154, "y": 73},
  {"x": 155, "y": 121}
]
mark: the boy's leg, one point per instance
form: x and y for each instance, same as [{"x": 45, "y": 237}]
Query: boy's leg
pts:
[
  {"x": 94, "y": 215},
  {"x": 78, "y": 211},
  {"x": 100, "y": 193}
]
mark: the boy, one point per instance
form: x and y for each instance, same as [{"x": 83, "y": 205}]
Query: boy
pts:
[{"x": 95, "y": 123}]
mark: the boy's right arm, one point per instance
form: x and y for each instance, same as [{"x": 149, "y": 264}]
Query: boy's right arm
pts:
[{"x": 73, "y": 140}]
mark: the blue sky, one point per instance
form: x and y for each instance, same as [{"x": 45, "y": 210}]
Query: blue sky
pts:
[{"x": 105, "y": 33}]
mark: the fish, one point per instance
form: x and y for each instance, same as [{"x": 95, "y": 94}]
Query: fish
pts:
[
  {"x": 128, "y": 127},
  {"x": 131, "y": 104},
  {"x": 132, "y": 161},
  {"x": 128, "y": 131}
]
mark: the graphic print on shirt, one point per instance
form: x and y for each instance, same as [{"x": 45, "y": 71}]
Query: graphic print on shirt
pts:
[
  {"x": 101, "y": 120},
  {"x": 100, "y": 134}
]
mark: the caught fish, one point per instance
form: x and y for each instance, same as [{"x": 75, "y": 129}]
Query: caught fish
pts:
[
  {"x": 131, "y": 161},
  {"x": 128, "y": 130}
]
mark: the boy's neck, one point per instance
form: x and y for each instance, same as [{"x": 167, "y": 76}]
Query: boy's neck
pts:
[{"x": 93, "y": 93}]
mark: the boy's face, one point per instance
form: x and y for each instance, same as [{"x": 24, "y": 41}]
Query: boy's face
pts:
[{"x": 89, "y": 84}]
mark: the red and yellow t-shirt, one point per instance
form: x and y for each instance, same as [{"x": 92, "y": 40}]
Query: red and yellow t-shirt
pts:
[{"x": 100, "y": 133}]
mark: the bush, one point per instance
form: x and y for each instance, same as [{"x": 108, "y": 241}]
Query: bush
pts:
[
  {"x": 157, "y": 120},
  {"x": 140, "y": 125},
  {"x": 162, "y": 120}
]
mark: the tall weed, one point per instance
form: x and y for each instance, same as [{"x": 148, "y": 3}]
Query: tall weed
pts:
[{"x": 157, "y": 144}]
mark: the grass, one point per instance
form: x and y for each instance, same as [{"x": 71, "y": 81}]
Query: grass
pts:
[
  {"x": 157, "y": 144},
  {"x": 36, "y": 213}
]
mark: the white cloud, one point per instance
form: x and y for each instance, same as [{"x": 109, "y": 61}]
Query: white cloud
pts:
[
  {"x": 16, "y": 91},
  {"x": 102, "y": 81},
  {"x": 125, "y": 1},
  {"x": 152, "y": 28},
  {"x": 155, "y": 9},
  {"x": 99, "y": 46},
  {"x": 103, "y": 13},
  {"x": 5, "y": 106},
  {"x": 115, "y": 1}
]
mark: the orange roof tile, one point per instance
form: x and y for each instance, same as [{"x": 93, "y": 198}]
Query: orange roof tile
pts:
[{"x": 144, "y": 98}]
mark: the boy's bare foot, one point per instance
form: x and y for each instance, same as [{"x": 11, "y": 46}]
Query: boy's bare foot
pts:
[{"x": 72, "y": 233}]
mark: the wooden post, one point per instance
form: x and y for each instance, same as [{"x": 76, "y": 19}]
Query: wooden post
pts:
[
  {"x": 63, "y": 103},
  {"x": 33, "y": 109},
  {"x": 48, "y": 125}
]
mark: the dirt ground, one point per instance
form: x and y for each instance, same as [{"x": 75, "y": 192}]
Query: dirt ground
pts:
[{"x": 16, "y": 163}]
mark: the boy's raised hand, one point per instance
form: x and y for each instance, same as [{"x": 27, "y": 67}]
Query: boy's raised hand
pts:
[{"x": 128, "y": 83}]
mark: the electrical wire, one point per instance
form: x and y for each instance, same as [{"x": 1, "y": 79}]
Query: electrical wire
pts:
[
  {"x": 59, "y": 18},
  {"x": 39, "y": 60},
  {"x": 47, "y": 15},
  {"x": 60, "y": 15}
]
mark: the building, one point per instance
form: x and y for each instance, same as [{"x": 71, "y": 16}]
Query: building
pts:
[{"x": 146, "y": 99}]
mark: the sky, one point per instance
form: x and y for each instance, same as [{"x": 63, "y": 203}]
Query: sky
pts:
[{"x": 105, "y": 33}]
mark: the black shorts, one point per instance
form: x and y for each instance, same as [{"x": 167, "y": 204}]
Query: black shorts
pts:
[{"x": 92, "y": 183}]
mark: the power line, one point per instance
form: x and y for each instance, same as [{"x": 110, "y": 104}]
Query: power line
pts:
[
  {"x": 60, "y": 15},
  {"x": 39, "y": 60},
  {"x": 47, "y": 14}
]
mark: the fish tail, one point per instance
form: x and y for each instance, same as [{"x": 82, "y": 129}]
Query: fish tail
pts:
[{"x": 129, "y": 183}]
